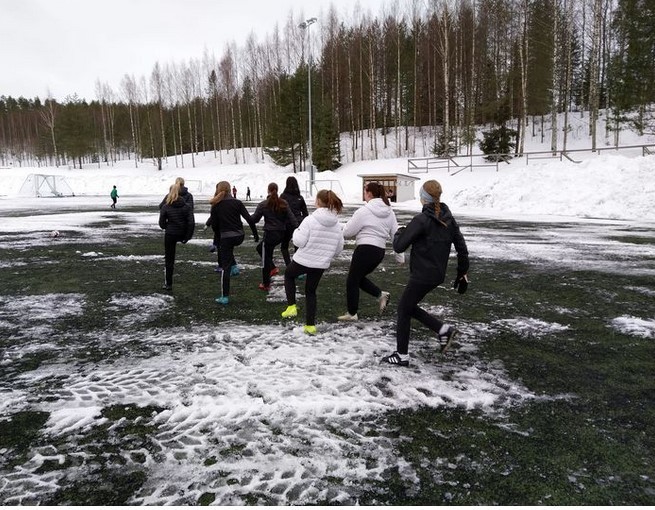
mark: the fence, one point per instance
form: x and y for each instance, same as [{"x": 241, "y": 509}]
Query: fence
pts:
[{"x": 460, "y": 163}]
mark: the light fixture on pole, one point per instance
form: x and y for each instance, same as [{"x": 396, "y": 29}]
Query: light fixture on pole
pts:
[{"x": 305, "y": 26}]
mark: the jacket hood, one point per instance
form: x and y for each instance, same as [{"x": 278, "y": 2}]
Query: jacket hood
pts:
[
  {"x": 325, "y": 217},
  {"x": 178, "y": 203},
  {"x": 378, "y": 207}
]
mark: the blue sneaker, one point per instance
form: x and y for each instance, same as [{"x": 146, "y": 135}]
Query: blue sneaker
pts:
[
  {"x": 301, "y": 277},
  {"x": 223, "y": 300},
  {"x": 234, "y": 271}
]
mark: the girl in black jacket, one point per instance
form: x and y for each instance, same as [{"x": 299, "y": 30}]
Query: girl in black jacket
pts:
[
  {"x": 298, "y": 207},
  {"x": 176, "y": 218},
  {"x": 225, "y": 218},
  {"x": 431, "y": 235},
  {"x": 278, "y": 218}
]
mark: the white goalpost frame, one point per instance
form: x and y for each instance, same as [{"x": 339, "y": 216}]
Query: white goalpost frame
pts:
[
  {"x": 311, "y": 188},
  {"x": 46, "y": 185}
]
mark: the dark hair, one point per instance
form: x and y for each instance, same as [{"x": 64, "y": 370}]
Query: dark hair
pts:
[
  {"x": 292, "y": 186},
  {"x": 274, "y": 202},
  {"x": 377, "y": 190}
]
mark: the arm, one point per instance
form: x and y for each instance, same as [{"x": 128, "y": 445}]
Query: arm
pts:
[
  {"x": 303, "y": 208},
  {"x": 257, "y": 215},
  {"x": 462, "y": 250},
  {"x": 162, "y": 219},
  {"x": 301, "y": 234},
  {"x": 354, "y": 224},
  {"x": 249, "y": 219},
  {"x": 406, "y": 236},
  {"x": 190, "y": 223},
  {"x": 291, "y": 218}
]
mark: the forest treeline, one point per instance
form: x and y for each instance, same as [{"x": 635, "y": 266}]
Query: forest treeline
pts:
[{"x": 450, "y": 65}]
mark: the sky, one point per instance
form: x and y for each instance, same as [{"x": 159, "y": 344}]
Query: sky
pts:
[{"x": 62, "y": 47}]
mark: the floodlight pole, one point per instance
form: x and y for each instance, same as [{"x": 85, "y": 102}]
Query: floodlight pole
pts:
[{"x": 305, "y": 26}]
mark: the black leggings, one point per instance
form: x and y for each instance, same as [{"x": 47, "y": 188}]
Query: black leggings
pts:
[
  {"x": 226, "y": 254},
  {"x": 365, "y": 259},
  {"x": 408, "y": 309},
  {"x": 265, "y": 249},
  {"x": 311, "y": 284},
  {"x": 170, "y": 243}
]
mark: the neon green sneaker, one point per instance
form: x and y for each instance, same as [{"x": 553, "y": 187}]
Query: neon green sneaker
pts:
[
  {"x": 310, "y": 330},
  {"x": 291, "y": 311}
]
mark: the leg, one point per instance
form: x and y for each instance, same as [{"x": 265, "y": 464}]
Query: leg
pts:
[
  {"x": 170, "y": 243},
  {"x": 313, "y": 277},
  {"x": 293, "y": 270},
  {"x": 226, "y": 251},
  {"x": 271, "y": 239},
  {"x": 407, "y": 308},
  {"x": 365, "y": 259}
]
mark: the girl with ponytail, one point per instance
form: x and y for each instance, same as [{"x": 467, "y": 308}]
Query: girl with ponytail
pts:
[
  {"x": 278, "y": 218},
  {"x": 318, "y": 240},
  {"x": 430, "y": 235},
  {"x": 371, "y": 225}
]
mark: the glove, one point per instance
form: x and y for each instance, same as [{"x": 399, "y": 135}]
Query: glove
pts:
[
  {"x": 184, "y": 241},
  {"x": 461, "y": 283}
]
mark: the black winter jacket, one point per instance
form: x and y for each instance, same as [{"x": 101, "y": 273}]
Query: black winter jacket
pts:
[
  {"x": 225, "y": 217},
  {"x": 273, "y": 220},
  {"x": 431, "y": 242},
  {"x": 177, "y": 219},
  {"x": 297, "y": 204}
]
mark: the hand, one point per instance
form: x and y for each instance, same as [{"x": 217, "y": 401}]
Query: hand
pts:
[
  {"x": 205, "y": 227},
  {"x": 461, "y": 283},
  {"x": 184, "y": 241}
]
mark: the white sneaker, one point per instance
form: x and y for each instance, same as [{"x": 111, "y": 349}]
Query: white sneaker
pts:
[
  {"x": 348, "y": 317},
  {"x": 383, "y": 300}
]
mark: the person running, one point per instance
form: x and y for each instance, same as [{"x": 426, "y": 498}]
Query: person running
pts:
[
  {"x": 225, "y": 217},
  {"x": 278, "y": 218},
  {"x": 298, "y": 206},
  {"x": 319, "y": 239},
  {"x": 184, "y": 193},
  {"x": 430, "y": 235},
  {"x": 114, "y": 197},
  {"x": 371, "y": 225},
  {"x": 176, "y": 219},
  {"x": 248, "y": 193},
  {"x": 234, "y": 268}
]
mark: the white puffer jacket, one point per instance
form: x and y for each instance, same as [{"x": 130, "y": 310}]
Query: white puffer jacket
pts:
[
  {"x": 319, "y": 239},
  {"x": 373, "y": 224}
]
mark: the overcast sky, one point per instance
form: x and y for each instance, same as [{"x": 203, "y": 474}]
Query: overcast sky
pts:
[{"x": 64, "y": 46}]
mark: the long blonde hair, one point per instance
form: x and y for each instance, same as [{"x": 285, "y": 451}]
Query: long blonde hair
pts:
[
  {"x": 173, "y": 194},
  {"x": 223, "y": 189},
  {"x": 433, "y": 188},
  {"x": 328, "y": 198}
]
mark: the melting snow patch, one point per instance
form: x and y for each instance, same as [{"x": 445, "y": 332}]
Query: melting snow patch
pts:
[
  {"x": 529, "y": 327},
  {"x": 635, "y": 326}
]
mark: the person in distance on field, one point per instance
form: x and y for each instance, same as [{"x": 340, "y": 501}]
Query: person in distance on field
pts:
[
  {"x": 430, "y": 235},
  {"x": 371, "y": 225},
  {"x": 114, "y": 197},
  {"x": 318, "y": 239},
  {"x": 176, "y": 219}
]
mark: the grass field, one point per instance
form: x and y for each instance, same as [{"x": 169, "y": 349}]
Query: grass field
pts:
[{"x": 115, "y": 392}]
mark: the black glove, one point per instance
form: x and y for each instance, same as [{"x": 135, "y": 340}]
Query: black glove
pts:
[
  {"x": 461, "y": 283},
  {"x": 184, "y": 241}
]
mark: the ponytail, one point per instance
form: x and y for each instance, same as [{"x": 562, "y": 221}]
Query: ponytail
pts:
[
  {"x": 433, "y": 189},
  {"x": 173, "y": 194},
  {"x": 328, "y": 198},
  {"x": 274, "y": 202},
  {"x": 222, "y": 190},
  {"x": 377, "y": 190}
]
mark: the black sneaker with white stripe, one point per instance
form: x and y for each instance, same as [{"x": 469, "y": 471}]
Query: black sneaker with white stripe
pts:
[
  {"x": 395, "y": 359},
  {"x": 446, "y": 338}
]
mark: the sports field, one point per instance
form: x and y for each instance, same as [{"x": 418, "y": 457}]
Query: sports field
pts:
[{"x": 116, "y": 392}]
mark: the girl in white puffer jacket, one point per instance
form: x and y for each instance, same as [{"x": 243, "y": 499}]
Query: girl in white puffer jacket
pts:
[
  {"x": 372, "y": 226},
  {"x": 318, "y": 239}
]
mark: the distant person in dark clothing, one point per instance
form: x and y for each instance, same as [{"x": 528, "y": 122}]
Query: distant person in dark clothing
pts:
[
  {"x": 225, "y": 217},
  {"x": 248, "y": 193},
  {"x": 298, "y": 207},
  {"x": 176, "y": 219},
  {"x": 278, "y": 218},
  {"x": 114, "y": 197},
  {"x": 234, "y": 191}
]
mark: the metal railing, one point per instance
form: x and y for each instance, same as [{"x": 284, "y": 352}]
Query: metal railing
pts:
[{"x": 456, "y": 164}]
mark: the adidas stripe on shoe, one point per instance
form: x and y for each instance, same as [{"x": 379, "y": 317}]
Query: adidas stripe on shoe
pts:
[
  {"x": 395, "y": 359},
  {"x": 383, "y": 300}
]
